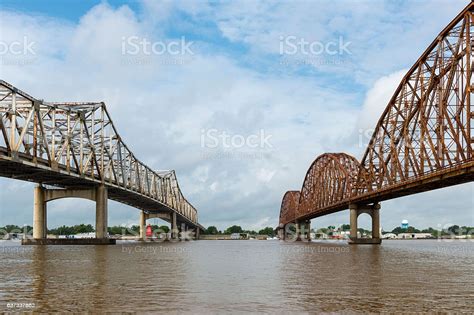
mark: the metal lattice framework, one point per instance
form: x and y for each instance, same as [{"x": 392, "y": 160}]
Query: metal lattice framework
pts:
[
  {"x": 423, "y": 140},
  {"x": 77, "y": 145},
  {"x": 289, "y": 206},
  {"x": 330, "y": 179},
  {"x": 426, "y": 127}
]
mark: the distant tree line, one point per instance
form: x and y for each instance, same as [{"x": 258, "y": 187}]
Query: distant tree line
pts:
[
  {"x": 212, "y": 230},
  {"x": 452, "y": 230},
  {"x": 15, "y": 228},
  {"x": 82, "y": 228}
]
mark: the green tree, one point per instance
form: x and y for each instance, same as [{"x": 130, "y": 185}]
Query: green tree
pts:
[
  {"x": 363, "y": 231},
  {"x": 165, "y": 228},
  {"x": 454, "y": 229},
  {"x": 233, "y": 229},
  {"x": 212, "y": 230},
  {"x": 410, "y": 229},
  {"x": 346, "y": 227},
  {"x": 267, "y": 231},
  {"x": 124, "y": 230},
  {"x": 322, "y": 230},
  {"x": 83, "y": 228},
  {"x": 135, "y": 229},
  {"x": 433, "y": 232}
]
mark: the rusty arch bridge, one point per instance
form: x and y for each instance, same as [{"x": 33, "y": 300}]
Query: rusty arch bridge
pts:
[
  {"x": 74, "y": 150},
  {"x": 423, "y": 141}
]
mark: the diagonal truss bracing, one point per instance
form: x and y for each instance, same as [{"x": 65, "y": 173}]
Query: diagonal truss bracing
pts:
[{"x": 80, "y": 139}]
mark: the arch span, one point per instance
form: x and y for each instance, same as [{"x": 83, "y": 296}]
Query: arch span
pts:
[
  {"x": 330, "y": 180},
  {"x": 289, "y": 206}
]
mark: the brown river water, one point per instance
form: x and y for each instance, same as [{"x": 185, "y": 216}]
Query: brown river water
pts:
[{"x": 239, "y": 277}]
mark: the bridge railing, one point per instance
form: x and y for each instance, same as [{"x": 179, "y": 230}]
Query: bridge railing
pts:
[{"x": 81, "y": 138}]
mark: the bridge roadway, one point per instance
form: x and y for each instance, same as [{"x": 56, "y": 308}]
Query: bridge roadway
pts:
[
  {"x": 423, "y": 141},
  {"x": 74, "y": 150}
]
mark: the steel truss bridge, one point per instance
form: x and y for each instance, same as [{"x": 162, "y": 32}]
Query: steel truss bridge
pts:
[
  {"x": 76, "y": 148},
  {"x": 423, "y": 141}
]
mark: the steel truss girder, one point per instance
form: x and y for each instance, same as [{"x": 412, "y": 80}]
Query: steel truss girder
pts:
[{"x": 80, "y": 139}]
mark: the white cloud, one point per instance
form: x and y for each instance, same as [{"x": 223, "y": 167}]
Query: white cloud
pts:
[
  {"x": 265, "y": 175},
  {"x": 377, "y": 29},
  {"x": 377, "y": 99}
]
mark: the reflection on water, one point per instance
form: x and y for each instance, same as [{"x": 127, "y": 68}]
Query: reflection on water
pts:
[{"x": 239, "y": 276}]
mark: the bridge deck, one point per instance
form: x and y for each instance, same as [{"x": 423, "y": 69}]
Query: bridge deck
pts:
[{"x": 445, "y": 178}]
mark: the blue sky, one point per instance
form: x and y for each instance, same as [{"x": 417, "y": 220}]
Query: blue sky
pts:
[{"x": 239, "y": 77}]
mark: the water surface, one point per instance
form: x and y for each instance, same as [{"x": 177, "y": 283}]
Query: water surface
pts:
[{"x": 239, "y": 276}]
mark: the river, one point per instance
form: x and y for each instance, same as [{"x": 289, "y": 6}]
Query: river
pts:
[{"x": 239, "y": 276}]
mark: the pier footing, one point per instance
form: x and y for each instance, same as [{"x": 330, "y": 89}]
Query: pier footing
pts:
[
  {"x": 368, "y": 241},
  {"x": 69, "y": 241}
]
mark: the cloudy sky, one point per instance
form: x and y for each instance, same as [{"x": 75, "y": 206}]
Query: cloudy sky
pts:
[{"x": 187, "y": 81}]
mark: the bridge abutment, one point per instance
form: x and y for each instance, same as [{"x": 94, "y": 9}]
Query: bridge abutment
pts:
[{"x": 374, "y": 212}]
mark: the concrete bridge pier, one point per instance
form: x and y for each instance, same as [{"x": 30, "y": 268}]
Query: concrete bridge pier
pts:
[
  {"x": 177, "y": 231},
  {"x": 298, "y": 231},
  {"x": 143, "y": 218},
  {"x": 174, "y": 227},
  {"x": 303, "y": 230},
  {"x": 43, "y": 195},
  {"x": 39, "y": 214},
  {"x": 101, "y": 212},
  {"x": 307, "y": 230},
  {"x": 281, "y": 232},
  {"x": 183, "y": 232},
  {"x": 374, "y": 212}
]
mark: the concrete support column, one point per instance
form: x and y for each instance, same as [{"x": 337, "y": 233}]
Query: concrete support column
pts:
[
  {"x": 174, "y": 226},
  {"x": 101, "y": 212},
  {"x": 308, "y": 230},
  {"x": 298, "y": 231},
  {"x": 353, "y": 221},
  {"x": 142, "y": 225},
  {"x": 39, "y": 214},
  {"x": 376, "y": 221},
  {"x": 197, "y": 233},
  {"x": 186, "y": 230},
  {"x": 182, "y": 232},
  {"x": 373, "y": 211}
]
